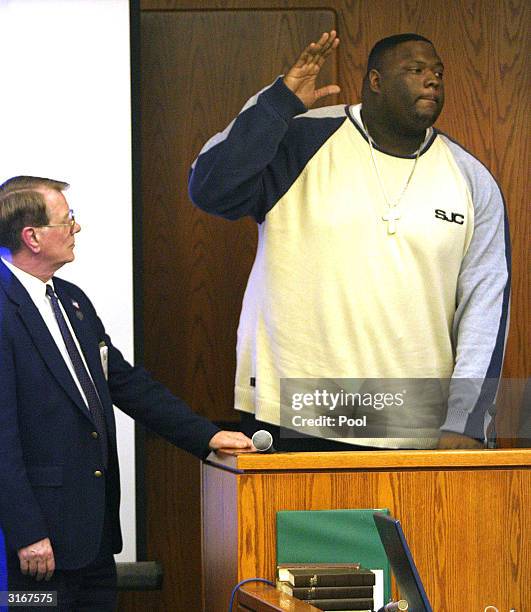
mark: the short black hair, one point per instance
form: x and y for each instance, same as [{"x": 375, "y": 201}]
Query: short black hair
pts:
[{"x": 384, "y": 45}]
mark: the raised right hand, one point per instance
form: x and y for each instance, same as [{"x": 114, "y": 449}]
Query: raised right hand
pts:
[
  {"x": 302, "y": 75},
  {"x": 37, "y": 559}
]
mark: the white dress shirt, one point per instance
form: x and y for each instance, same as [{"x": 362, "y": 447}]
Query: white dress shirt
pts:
[{"x": 37, "y": 292}]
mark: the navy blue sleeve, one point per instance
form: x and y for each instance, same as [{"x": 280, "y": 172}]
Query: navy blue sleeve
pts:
[
  {"x": 21, "y": 518},
  {"x": 248, "y": 167},
  {"x": 134, "y": 391}
]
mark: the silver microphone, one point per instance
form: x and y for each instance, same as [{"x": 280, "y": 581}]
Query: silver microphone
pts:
[{"x": 263, "y": 441}]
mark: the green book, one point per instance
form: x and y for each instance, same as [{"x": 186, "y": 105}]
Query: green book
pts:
[{"x": 332, "y": 536}]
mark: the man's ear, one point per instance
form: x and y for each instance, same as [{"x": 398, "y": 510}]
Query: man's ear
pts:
[
  {"x": 374, "y": 78},
  {"x": 30, "y": 239}
]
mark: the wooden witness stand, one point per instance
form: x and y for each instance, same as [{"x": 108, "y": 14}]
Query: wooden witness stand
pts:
[{"x": 465, "y": 515}]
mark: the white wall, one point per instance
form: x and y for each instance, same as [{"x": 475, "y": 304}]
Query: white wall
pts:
[{"x": 65, "y": 114}]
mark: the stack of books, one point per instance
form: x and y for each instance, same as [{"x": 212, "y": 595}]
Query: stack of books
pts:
[{"x": 329, "y": 586}]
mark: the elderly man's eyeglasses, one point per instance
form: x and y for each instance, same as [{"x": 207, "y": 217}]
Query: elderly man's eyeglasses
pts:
[{"x": 71, "y": 223}]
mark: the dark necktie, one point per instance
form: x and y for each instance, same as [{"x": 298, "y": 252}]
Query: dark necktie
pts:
[{"x": 83, "y": 376}]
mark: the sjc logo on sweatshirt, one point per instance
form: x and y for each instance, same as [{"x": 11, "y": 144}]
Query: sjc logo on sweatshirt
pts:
[{"x": 451, "y": 217}]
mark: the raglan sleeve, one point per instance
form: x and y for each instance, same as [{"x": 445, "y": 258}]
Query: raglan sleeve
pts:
[
  {"x": 481, "y": 319},
  {"x": 239, "y": 170}
]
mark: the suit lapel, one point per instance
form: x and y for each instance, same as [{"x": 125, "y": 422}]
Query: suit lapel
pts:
[
  {"x": 87, "y": 342},
  {"x": 41, "y": 336}
]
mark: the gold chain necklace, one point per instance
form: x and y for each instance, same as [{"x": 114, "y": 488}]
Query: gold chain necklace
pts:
[{"x": 392, "y": 214}]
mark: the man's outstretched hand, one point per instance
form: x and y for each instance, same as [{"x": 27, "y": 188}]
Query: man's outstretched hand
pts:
[
  {"x": 231, "y": 443},
  {"x": 302, "y": 75}
]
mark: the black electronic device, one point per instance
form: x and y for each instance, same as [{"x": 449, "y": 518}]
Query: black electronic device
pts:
[{"x": 402, "y": 564}]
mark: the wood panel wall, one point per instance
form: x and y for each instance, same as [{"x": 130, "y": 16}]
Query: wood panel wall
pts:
[{"x": 200, "y": 61}]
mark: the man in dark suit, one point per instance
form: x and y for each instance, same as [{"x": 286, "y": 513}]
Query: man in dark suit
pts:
[{"x": 60, "y": 376}]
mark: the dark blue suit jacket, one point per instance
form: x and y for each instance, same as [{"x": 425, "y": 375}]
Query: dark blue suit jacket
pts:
[{"x": 48, "y": 455}]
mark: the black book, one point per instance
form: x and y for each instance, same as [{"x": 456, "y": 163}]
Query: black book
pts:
[
  {"x": 330, "y": 577},
  {"x": 326, "y": 592},
  {"x": 284, "y": 568},
  {"x": 358, "y": 603}
]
